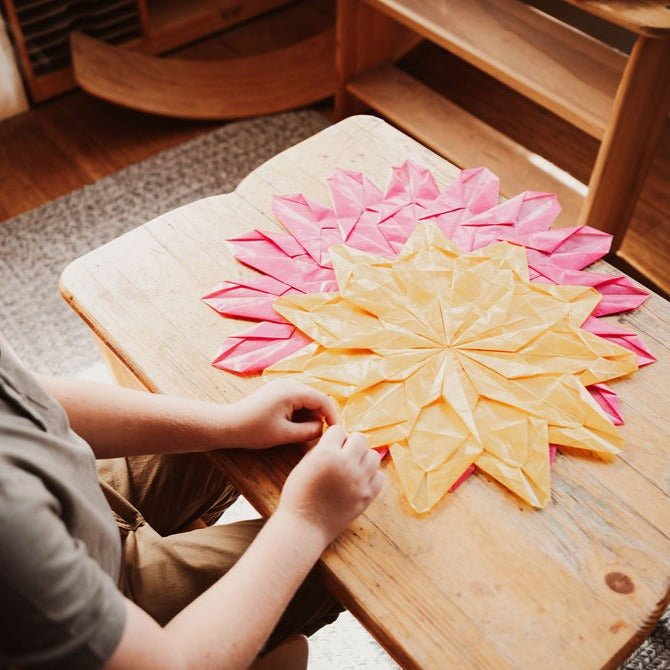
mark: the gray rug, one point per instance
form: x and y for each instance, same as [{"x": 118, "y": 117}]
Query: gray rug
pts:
[{"x": 35, "y": 248}]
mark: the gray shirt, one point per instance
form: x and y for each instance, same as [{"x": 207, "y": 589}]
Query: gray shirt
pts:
[{"x": 60, "y": 551}]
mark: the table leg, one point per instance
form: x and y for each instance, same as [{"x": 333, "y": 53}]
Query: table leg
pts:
[
  {"x": 120, "y": 371},
  {"x": 638, "y": 116}
]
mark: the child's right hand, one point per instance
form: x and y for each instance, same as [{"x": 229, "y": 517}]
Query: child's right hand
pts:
[{"x": 333, "y": 483}]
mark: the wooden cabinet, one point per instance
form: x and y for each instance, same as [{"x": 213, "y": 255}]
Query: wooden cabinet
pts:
[{"x": 40, "y": 30}]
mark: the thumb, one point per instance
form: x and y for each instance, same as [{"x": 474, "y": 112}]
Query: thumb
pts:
[{"x": 306, "y": 430}]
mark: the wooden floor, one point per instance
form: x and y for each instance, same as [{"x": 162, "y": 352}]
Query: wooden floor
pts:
[{"x": 76, "y": 139}]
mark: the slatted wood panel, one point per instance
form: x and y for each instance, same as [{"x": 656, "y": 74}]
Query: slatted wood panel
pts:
[
  {"x": 40, "y": 30},
  {"x": 483, "y": 581}
]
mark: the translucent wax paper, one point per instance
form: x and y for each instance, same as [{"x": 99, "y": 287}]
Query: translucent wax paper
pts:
[{"x": 457, "y": 359}]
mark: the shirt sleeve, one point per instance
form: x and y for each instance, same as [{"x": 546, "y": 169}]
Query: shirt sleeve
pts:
[{"x": 58, "y": 607}]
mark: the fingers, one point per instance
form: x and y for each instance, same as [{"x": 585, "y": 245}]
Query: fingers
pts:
[
  {"x": 305, "y": 431},
  {"x": 354, "y": 449},
  {"x": 333, "y": 438},
  {"x": 302, "y": 415},
  {"x": 367, "y": 459},
  {"x": 357, "y": 444},
  {"x": 311, "y": 399},
  {"x": 370, "y": 460}
]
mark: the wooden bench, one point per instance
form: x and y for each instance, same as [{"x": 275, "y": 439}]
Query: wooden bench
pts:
[{"x": 622, "y": 101}]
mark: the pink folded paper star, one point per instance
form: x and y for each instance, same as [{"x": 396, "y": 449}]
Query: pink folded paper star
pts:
[{"x": 365, "y": 218}]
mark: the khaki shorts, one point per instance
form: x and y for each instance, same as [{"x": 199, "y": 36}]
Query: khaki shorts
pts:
[{"x": 163, "y": 569}]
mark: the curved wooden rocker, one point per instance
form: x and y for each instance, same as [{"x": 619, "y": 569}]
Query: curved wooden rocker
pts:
[{"x": 283, "y": 79}]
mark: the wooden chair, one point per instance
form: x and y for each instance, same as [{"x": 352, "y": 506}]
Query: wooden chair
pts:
[{"x": 621, "y": 101}]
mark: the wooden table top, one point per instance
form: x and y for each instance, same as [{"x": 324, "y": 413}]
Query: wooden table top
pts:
[{"x": 481, "y": 582}]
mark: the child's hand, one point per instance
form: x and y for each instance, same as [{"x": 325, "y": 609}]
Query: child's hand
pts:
[
  {"x": 281, "y": 412},
  {"x": 333, "y": 483}
]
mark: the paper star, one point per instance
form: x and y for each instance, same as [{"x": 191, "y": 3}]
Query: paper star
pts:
[{"x": 457, "y": 359}]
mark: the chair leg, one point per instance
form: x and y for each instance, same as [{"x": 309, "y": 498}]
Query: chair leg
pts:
[{"x": 638, "y": 116}]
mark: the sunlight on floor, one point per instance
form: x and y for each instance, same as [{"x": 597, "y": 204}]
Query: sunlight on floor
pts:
[{"x": 561, "y": 175}]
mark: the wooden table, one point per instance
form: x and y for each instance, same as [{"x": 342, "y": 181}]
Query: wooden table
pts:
[{"x": 481, "y": 582}]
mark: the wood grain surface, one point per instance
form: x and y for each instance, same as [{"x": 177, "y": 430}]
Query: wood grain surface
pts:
[
  {"x": 170, "y": 24},
  {"x": 364, "y": 38},
  {"x": 639, "y": 115},
  {"x": 482, "y": 581},
  {"x": 296, "y": 75},
  {"x": 623, "y": 101},
  {"x": 646, "y": 17}
]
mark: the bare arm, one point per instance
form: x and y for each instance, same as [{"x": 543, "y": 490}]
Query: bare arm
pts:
[
  {"x": 229, "y": 623},
  {"x": 227, "y": 626},
  {"x": 123, "y": 422}
]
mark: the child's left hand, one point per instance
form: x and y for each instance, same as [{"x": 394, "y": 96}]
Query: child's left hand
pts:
[{"x": 281, "y": 412}]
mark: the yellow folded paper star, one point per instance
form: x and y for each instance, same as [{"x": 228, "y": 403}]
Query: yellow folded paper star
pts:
[{"x": 456, "y": 358}]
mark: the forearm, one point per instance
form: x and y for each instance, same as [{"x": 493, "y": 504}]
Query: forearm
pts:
[
  {"x": 229, "y": 623},
  {"x": 123, "y": 422}
]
